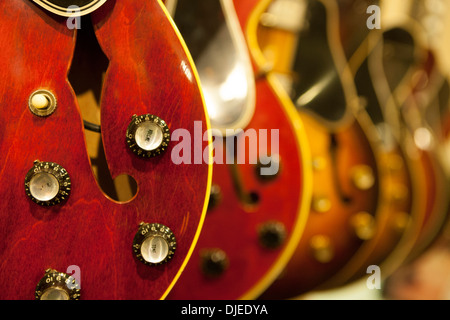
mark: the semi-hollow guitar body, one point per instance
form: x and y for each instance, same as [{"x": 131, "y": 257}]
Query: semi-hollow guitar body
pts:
[
  {"x": 415, "y": 99},
  {"x": 412, "y": 206},
  {"x": 343, "y": 212},
  {"x": 385, "y": 65},
  {"x": 397, "y": 223},
  {"x": 254, "y": 221},
  {"x": 48, "y": 234},
  {"x": 420, "y": 139}
]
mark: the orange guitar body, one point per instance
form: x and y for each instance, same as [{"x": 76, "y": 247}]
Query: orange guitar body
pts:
[
  {"x": 337, "y": 231},
  {"x": 149, "y": 73},
  {"x": 253, "y": 222},
  {"x": 396, "y": 222}
]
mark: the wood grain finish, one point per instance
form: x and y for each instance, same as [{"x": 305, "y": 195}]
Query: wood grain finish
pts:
[{"x": 149, "y": 72}]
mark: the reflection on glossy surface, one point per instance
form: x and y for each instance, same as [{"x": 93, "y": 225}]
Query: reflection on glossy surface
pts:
[
  {"x": 224, "y": 81},
  {"x": 55, "y": 294},
  {"x": 186, "y": 70},
  {"x": 44, "y": 186},
  {"x": 423, "y": 138},
  {"x": 222, "y": 62},
  {"x": 310, "y": 94},
  {"x": 155, "y": 249},
  {"x": 149, "y": 136}
]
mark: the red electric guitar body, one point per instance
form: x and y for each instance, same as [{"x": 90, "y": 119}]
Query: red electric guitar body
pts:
[
  {"x": 254, "y": 222},
  {"x": 150, "y": 72}
]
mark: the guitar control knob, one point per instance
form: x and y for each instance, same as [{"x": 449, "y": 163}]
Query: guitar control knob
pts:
[
  {"x": 57, "y": 286},
  {"x": 213, "y": 262},
  {"x": 364, "y": 225},
  {"x": 215, "y": 196},
  {"x": 42, "y": 103},
  {"x": 47, "y": 183},
  {"x": 148, "y": 135},
  {"x": 321, "y": 204},
  {"x": 154, "y": 244},
  {"x": 363, "y": 177},
  {"x": 272, "y": 234},
  {"x": 322, "y": 248}
]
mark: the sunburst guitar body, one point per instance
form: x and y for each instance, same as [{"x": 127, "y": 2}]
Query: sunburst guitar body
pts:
[
  {"x": 63, "y": 237},
  {"x": 397, "y": 222},
  {"x": 416, "y": 99},
  {"x": 413, "y": 195},
  {"x": 344, "y": 207}
]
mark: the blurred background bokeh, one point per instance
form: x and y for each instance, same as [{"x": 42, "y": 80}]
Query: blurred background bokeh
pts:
[{"x": 369, "y": 80}]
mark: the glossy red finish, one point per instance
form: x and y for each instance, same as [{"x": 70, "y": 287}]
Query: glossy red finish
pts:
[
  {"x": 233, "y": 225},
  {"x": 149, "y": 72}
]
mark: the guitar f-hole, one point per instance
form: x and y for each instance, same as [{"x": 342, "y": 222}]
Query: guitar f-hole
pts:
[
  {"x": 250, "y": 198},
  {"x": 86, "y": 75}
]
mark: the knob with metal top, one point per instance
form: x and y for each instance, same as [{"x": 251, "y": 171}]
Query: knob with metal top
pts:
[
  {"x": 148, "y": 135},
  {"x": 213, "y": 262},
  {"x": 364, "y": 225},
  {"x": 154, "y": 244},
  {"x": 47, "y": 183},
  {"x": 322, "y": 248},
  {"x": 363, "y": 177},
  {"x": 57, "y": 286},
  {"x": 42, "y": 103},
  {"x": 272, "y": 234},
  {"x": 321, "y": 204},
  {"x": 215, "y": 196}
]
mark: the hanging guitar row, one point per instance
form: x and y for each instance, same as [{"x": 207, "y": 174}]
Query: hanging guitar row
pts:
[{"x": 324, "y": 151}]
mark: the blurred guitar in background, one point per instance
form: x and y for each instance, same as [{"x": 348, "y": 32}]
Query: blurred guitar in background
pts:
[
  {"x": 422, "y": 102},
  {"x": 308, "y": 60},
  {"x": 391, "y": 65},
  {"x": 401, "y": 209},
  {"x": 417, "y": 101},
  {"x": 254, "y": 221}
]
